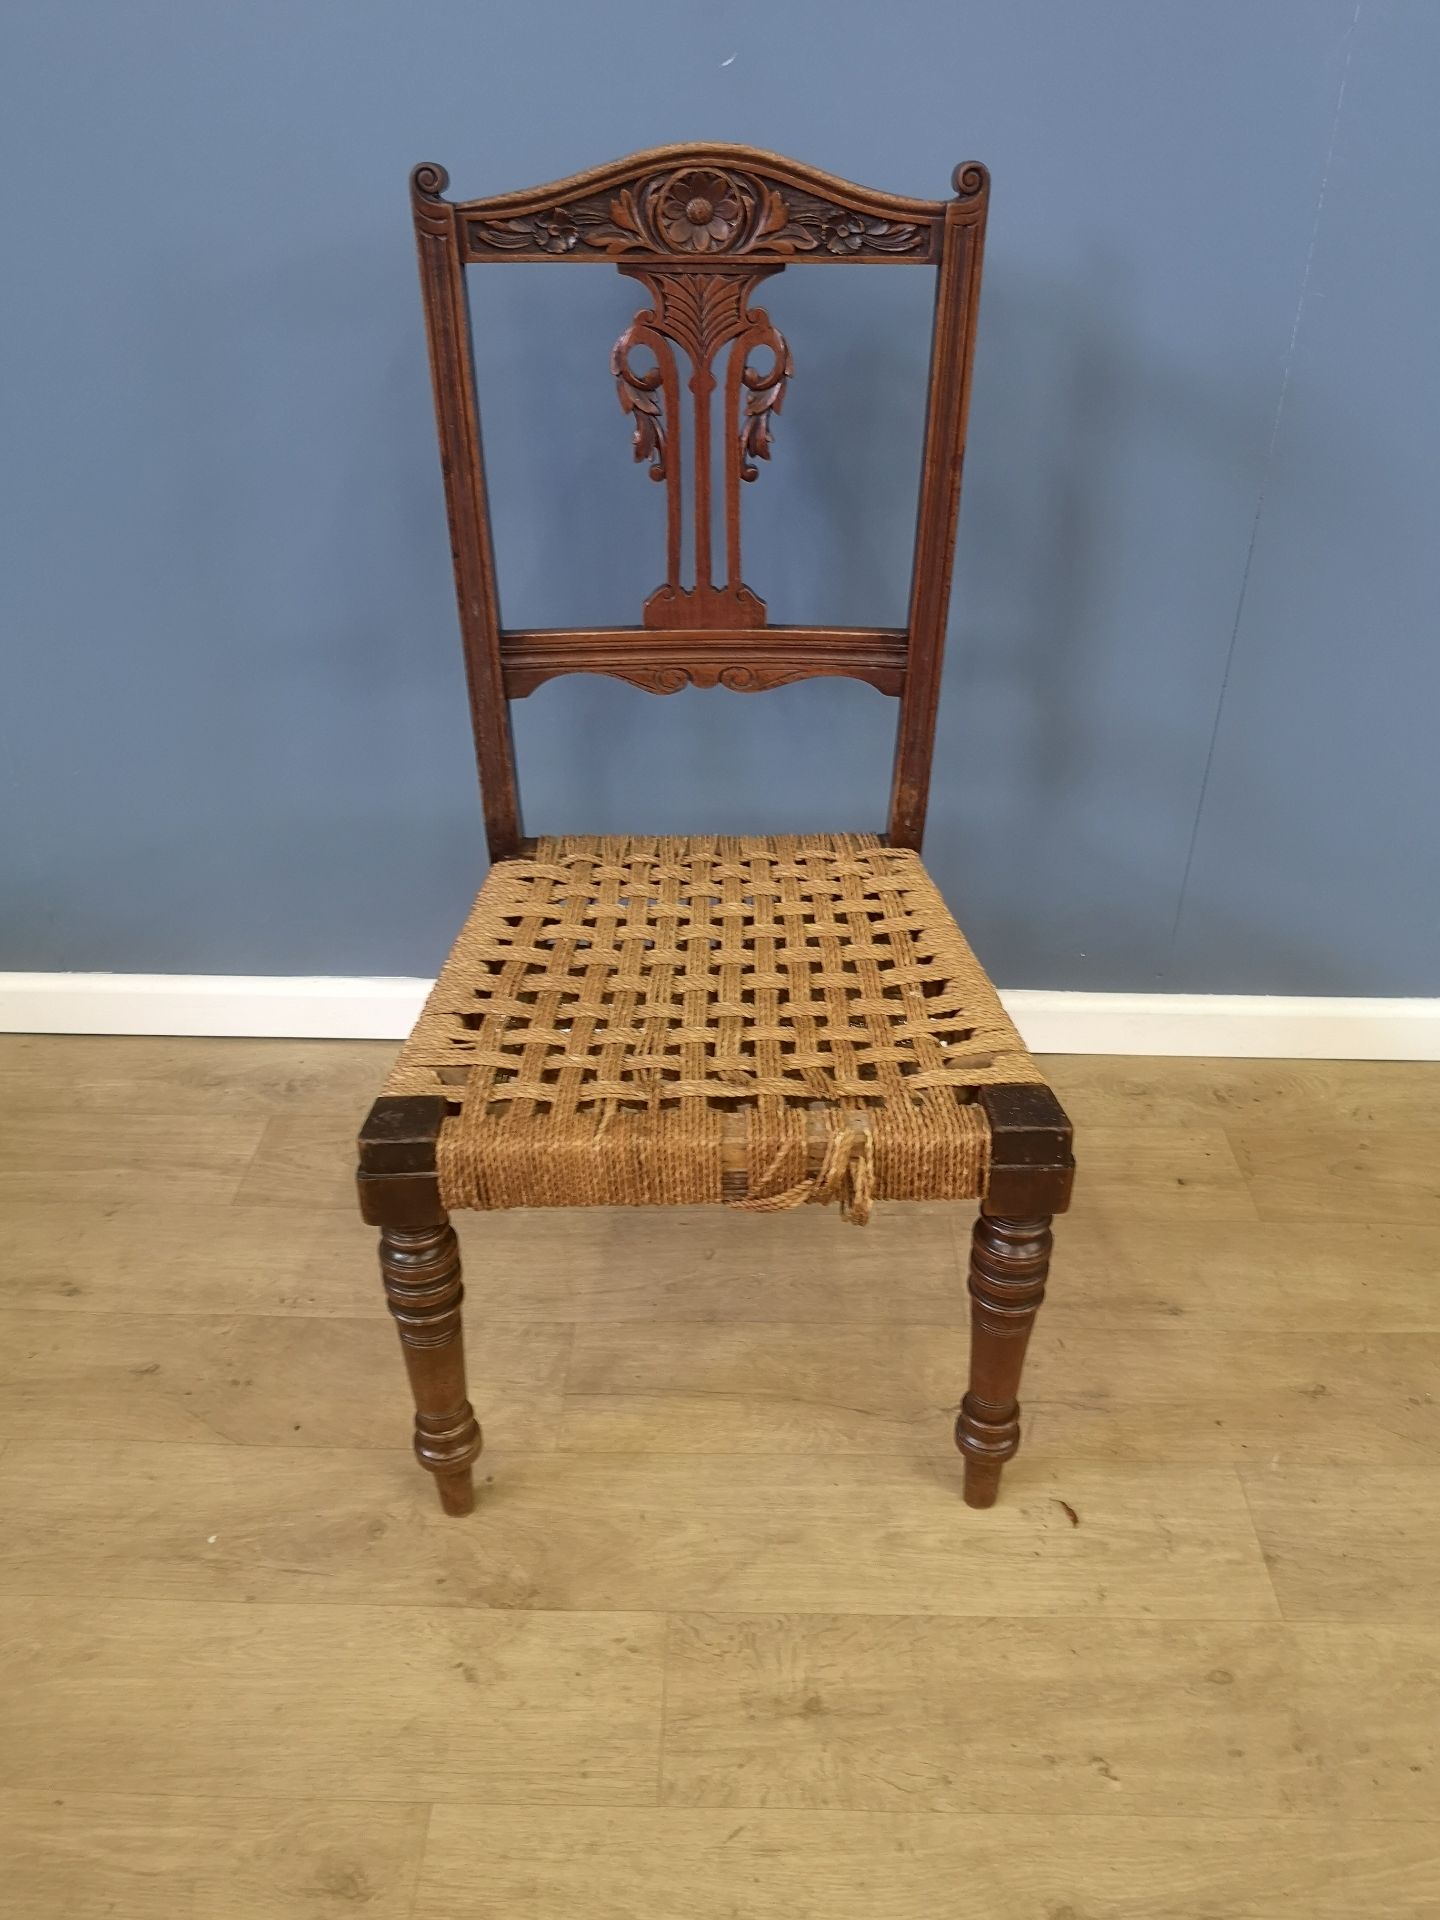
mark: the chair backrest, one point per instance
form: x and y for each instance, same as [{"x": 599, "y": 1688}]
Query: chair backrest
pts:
[{"x": 700, "y": 227}]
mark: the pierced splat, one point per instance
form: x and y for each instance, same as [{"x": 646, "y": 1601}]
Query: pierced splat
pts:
[
  {"x": 700, "y": 226},
  {"x": 702, "y": 311}
]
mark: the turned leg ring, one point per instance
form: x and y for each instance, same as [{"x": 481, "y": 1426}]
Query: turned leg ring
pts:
[
  {"x": 1009, "y": 1260},
  {"x": 421, "y": 1269}
]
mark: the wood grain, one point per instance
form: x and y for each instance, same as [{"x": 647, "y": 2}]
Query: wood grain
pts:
[
  {"x": 46, "y": 1152},
  {"x": 1357, "y": 1546},
  {"x": 711, "y": 1264},
  {"x": 1342, "y": 1173},
  {"x": 1091, "y": 1393},
  {"x": 782, "y": 1865},
  {"x": 1295, "y": 1398},
  {"x": 91, "y": 1856},
  {"x": 399, "y": 1703},
  {"x": 1110, "y": 1090},
  {"x": 148, "y": 1256},
  {"x": 236, "y": 1632},
  {"x": 159, "y": 1073},
  {"x": 764, "y": 1388},
  {"x": 1080, "y": 1719},
  {"x": 1295, "y": 1276},
  {"x": 259, "y": 1380},
  {"x": 302, "y": 1159},
  {"x": 626, "y": 1532},
  {"x": 701, "y": 227},
  {"x": 1183, "y": 1172}
]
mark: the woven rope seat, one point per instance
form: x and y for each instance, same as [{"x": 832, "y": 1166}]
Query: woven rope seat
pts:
[{"x": 652, "y": 1022}]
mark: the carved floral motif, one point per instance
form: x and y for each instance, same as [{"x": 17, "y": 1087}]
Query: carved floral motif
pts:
[
  {"x": 701, "y": 211},
  {"x": 522, "y": 677},
  {"x": 640, "y": 390},
  {"x": 554, "y": 232},
  {"x": 764, "y": 396},
  {"x": 701, "y": 313}
]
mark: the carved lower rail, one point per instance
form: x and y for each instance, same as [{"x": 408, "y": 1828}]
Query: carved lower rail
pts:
[{"x": 744, "y": 660}]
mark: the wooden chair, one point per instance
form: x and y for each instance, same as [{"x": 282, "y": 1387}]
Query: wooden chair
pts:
[{"x": 759, "y": 1022}]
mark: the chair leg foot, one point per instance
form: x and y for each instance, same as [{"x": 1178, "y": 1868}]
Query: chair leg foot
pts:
[
  {"x": 1009, "y": 1260},
  {"x": 457, "y": 1491},
  {"x": 421, "y": 1270},
  {"x": 982, "y": 1483}
]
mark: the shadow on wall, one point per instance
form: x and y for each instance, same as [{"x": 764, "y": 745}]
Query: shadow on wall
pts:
[
  {"x": 1088, "y": 637},
  {"x": 1090, "y": 624}
]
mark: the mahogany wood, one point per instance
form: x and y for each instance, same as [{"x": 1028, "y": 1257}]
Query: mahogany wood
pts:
[
  {"x": 1009, "y": 1260},
  {"x": 767, "y": 208},
  {"x": 956, "y": 299},
  {"x": 420, "y": 1266},
  {"x": 745, "y": 662},
  {"x": 1029, "y": 1180},
  {"x": 447, "y": 326},
  {"x": 421, "y": 1269},
  {"x": 700, "y": 228},
  {"x": 1031, "y": 1164}
]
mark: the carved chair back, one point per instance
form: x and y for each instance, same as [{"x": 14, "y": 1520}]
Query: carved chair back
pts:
[{"x": 700, "y": 228}]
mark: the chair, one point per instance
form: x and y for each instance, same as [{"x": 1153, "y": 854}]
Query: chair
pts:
[{"x": 758, "y": 1022}]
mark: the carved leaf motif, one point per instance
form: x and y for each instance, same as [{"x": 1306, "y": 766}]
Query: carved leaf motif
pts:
[
  {"x": 760, "y": 679},
  {"x": 816, "y": 223},
  {"x": 552, "y": 232},
  {"x": 699, "y": 312},
  {"x": 701, "y": 211},
  {"x": 705, "y": 674},
  {"x": 654, "y": 679},
  {"x": 774, "y": 216},
  {"x": 623, "y": 216},
  {"x": 764, "y": 394},
  {"x": 639, "y": 392}
]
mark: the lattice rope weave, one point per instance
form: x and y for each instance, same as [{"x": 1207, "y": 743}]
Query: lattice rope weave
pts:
[{"x": 621, "y": 1018}]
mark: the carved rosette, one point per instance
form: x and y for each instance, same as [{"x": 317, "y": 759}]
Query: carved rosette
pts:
[
  {"x": 700, "y": 227},
  {"x": 701, "y": 212}
]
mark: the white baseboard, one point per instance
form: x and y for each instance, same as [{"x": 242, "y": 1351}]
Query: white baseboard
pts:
[
  {"x": 226, "y": 1004},
  {"x": 1254, "y": 1026},
  {"x": 1240, "y": 1026}
]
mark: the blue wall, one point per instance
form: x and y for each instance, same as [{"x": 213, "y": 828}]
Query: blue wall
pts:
[{"x": 1188, "y": 735}]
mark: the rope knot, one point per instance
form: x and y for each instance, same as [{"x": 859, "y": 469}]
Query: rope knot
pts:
[{"x": 846, "y": 1173}]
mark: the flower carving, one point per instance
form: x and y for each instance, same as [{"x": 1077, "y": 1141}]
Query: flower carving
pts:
[
  {"x": 843, "y": 233},
  {"x": 700, "y": 212},
  {"x": 555, "y": 232}
]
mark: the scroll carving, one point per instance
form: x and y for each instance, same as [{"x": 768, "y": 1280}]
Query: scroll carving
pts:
[
  {"x": 701, "y": 374},
  {"x": 736, "y": 679},
  {"x": 701, "y": 212},
  {"x": 702, "y": 314},
  {"x": 646, "y": 394},
  {"x": 743, "y": 661},
  {"x": 764, "y": 392}
]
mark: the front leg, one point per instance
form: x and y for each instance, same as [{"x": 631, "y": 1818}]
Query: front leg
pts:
[
  {"x": 421, "y": 1269},
  {"x": 420, "y": 1264},
  {"x": 1009, "y": 1260}
]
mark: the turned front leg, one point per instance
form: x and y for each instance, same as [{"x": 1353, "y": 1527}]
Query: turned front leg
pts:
[
  {"x": 421, "y": 1269},
  {"x": 1008, "y": 1263}
]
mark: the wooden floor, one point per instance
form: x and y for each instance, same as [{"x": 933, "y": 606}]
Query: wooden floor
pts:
[{"x": 721, "y": 1641}]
